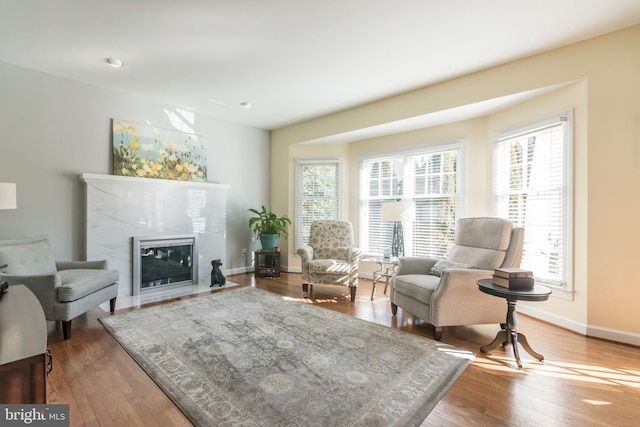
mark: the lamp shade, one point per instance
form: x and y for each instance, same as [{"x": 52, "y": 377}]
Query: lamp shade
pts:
[
  {"x": 397, "y": 211},
  {"x": 8, "y": 198}
]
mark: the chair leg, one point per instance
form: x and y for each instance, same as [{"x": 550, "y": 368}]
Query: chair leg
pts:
[
  {"x": 66, "y": 329},
  {"x": 305, "y": 290},
  {"x": 437, "y": 333},
  {"x": 353, "y": 292},
  {"x": 112, "y": 305},
  {"x": 394, "y": 309}
]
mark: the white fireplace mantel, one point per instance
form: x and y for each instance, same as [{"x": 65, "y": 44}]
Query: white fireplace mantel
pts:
[
  {"x": 119, "y": 208},
  {"x": 93, "y": 177}
]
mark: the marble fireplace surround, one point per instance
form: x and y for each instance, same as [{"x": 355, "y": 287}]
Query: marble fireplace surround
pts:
[{"x": 119, "y": 208}]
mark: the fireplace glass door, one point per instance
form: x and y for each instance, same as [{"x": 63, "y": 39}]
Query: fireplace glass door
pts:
[{"x": 164, "y": 263}]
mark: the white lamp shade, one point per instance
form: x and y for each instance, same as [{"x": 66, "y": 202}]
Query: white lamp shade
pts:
[
  {"x": 8, "y": 198},
  {"x": 398, "y": 211}
]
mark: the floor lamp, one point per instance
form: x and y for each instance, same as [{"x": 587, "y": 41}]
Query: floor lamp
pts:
[{"x": 397, "y": 212}]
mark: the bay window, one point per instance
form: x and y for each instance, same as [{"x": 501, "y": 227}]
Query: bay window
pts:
[{"x": 429, "y": 180}]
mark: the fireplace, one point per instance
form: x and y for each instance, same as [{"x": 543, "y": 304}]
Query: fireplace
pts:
[
  {"x": 119, "y": 207},
  {"x": 164, "y": 262}
]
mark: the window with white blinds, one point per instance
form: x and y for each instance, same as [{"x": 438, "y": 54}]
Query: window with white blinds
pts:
[
  {"x": 428, "y": 180},
  {"x": 532, "y": 187},
  {"x": 318, "y": 184}
]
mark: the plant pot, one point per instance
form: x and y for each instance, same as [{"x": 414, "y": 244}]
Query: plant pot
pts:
[{"x": 269, "y": 241}]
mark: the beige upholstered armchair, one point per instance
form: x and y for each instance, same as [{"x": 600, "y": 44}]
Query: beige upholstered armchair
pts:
[
  {"x": 445, "y": 292},
  {"x": 65, "y": 289},
  {"x": 330, "y": 257}
]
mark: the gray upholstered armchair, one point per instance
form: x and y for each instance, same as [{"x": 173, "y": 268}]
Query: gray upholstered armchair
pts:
[
  {"x": 330, "y": 257},
  {"x": 445, "y": 292},
  {"x": 66, "y": 289}
]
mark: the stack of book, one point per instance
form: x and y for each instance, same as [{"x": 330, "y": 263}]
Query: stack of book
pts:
[{"x": 513, "y": 278}]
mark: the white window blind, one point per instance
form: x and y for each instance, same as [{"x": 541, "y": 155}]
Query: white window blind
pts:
[
  {"x": 428, "y": 180},
  {"x": 318, "y": 184},
  {"x": 532, "y": 188}
]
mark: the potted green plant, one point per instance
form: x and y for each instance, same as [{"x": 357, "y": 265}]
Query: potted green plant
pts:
[{"x": 269, "y": 226}]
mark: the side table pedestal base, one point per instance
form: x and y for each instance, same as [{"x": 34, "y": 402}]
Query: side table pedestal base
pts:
[
  {"x": 509, "y": 333},
  {"x": 505, "y": 338}
]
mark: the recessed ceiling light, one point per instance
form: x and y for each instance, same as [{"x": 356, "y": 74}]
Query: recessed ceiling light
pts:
[
  {"x": 246, "y": 104},
  {"x": 114, "y": 62}
]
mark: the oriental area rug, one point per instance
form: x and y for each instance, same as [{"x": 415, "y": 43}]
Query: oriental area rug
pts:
[{"x": 248, "y": 357}]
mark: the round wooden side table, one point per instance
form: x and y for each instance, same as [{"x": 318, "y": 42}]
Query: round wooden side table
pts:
[{"x": 510, "y": 334}]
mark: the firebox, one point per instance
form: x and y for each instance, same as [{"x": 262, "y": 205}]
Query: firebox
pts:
[{"x": 163, "y": 262}]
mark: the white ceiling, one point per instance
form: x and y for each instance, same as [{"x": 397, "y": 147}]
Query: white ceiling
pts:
[{"x": 293, "y": 59}]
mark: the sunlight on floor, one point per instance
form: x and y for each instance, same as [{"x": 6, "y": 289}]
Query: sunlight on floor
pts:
[
  {"x": 596, "y": 402},
  {"x": 562, "y": 370},
  {"x": 463, "y": 354},
  {"x": 310, "y": 300},
  {"x": 588, "y": 375}
]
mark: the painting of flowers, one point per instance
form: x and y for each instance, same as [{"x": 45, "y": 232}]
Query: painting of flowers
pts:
[{"x": 148, "y": 152}]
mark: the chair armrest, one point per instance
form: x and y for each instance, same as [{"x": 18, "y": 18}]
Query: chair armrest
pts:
[
  {"x": 414, "y": 265},
  {"x": 354, "y": 255},
  {"x": 306, "y": 253},
  {"x": 458, "y": 283},
  {"x": 74, "y": 265},
  {"x": 44, "y": 286},
  {"x": 33, "y": 281}
]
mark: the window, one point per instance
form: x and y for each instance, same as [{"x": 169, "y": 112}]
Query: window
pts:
[
  {"x": 532, "y": 187},
  {"x": 429, "y": 179},
  {"x": 317, "y": 194}
]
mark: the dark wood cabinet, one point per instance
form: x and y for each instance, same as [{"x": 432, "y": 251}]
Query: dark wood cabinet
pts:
[
  {"x": 23, "y": 348},
  {"x": 267, "y": 263}
]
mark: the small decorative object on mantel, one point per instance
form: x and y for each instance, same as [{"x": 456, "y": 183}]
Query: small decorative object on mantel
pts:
[
  {"x": 148, "y": 152},
  {"x": 513, "y": 278},
  {"x": 217, "y": 278}
]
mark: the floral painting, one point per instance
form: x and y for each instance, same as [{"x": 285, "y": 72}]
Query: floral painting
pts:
[{"x": 148, "y": 152}]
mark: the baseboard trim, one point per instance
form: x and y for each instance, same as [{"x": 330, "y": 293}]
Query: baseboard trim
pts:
[
  {"x": 614, "y": 335},
  {"x": 240, "y": 270},
  {"x": 581, "y": 328}
]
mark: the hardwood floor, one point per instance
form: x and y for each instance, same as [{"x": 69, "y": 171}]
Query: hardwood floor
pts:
[{"x": 582, "y": 382}]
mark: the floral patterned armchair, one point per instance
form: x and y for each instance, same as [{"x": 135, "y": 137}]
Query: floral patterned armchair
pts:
[{"x": 330, "y": 257}]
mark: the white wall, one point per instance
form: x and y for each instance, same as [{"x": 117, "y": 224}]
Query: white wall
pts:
[{"x": 53, "y": 129}]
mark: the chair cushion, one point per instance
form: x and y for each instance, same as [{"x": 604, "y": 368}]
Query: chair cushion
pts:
[
  {"x": 27, "y": 256},
  {"x": 443, "y": 264},
  {"x": 328, "y": 266},
  {"x": 336, "y": 253},
  {"x": 77, "y": 283},
  {"x": 417, "y": 286}
]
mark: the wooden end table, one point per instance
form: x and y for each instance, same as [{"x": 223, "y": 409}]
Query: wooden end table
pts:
[
  {"x": 387, "y": 269},
  {"x": 267, "y": 263},
  {"x": 510, "y": 334},
  {"x": 23, "y": 348}
]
